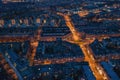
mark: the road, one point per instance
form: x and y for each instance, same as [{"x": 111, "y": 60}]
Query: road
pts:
[
  {"x": 58, "y": 61},
  {"x": 10, "y": 66},
  {"x": 70, "y": 25},
  {"x": 16, "y": 71},
  {"x": 97, "y": 70}
]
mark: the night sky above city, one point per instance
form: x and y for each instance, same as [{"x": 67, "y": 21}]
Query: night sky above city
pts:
[{"x": 59, "y": 39}]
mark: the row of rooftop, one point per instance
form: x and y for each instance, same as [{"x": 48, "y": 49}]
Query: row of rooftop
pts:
[
  {"x": 15, "y": 53},
  {"x": 60, "y": 49}
]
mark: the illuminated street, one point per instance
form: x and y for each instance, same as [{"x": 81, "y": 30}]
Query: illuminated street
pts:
[
  {"x": 95, "y": 67},
  {"x": 59, "y": 40}
]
